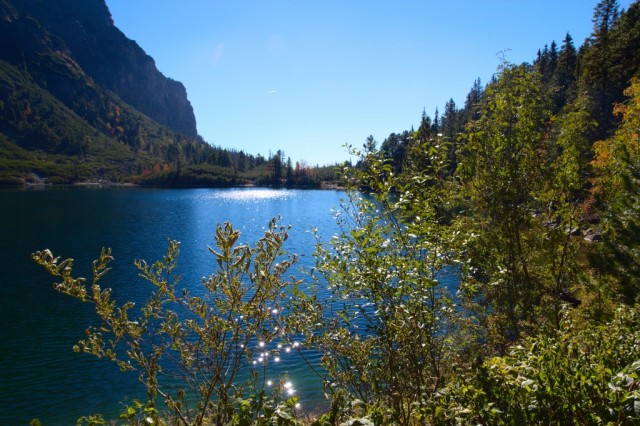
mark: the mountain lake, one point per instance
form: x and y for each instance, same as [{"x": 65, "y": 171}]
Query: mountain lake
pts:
[{"x": 40, "y": 375}]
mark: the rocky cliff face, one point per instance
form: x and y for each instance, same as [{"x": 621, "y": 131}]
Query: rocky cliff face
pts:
[{"x": 84, "y": 30}]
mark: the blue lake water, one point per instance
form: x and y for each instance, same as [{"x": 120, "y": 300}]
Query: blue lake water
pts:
[{"x": 40, "y": 376}]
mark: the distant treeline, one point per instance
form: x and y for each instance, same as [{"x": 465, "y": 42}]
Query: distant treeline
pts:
[{"x": 592, "y": 77}]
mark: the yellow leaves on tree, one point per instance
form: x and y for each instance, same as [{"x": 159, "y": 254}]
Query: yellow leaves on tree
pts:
[{"x": 610, "y": 155}]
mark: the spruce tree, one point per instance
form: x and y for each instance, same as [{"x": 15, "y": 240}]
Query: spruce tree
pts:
[
  {"x": 564, "y": 78},
  {"x": 605, "y": 15},
  {"x": 450, "y": 129},
  {"x": 471, "y": 110},
  {"x": 596, "y": 64}
]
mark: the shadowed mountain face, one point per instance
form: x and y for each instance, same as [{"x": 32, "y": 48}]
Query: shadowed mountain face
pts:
[{"x": 81, "y": 35}]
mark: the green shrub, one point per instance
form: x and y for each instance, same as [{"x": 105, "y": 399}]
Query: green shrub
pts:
[
  {"x": 586, "y": 373},
  {"x": 206, "y": 340}
]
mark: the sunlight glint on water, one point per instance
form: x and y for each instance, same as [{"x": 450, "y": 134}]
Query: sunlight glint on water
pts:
[
  {"x": 40, "y": 376},
  {"x": 253, "y": 194}
]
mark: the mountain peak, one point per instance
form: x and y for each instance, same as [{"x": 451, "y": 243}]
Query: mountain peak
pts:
[{"x": 112, "y": 60}]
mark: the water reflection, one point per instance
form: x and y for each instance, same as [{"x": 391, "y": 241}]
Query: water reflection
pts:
[{"x": 253, "y": 194}]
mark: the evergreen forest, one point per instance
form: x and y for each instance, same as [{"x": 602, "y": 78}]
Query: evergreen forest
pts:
[{"x": 487, "y": 270}]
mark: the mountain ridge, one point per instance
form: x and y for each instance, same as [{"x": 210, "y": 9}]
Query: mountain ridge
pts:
[
  {"x": 80, "y": 102},
  {"x": 85, "y": 29}
]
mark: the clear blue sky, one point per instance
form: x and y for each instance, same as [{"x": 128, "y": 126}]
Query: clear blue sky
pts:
[{"x": 309, "y": 76}]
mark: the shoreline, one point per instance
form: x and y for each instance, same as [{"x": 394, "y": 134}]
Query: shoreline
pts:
[{"x": 324, "y": 186}]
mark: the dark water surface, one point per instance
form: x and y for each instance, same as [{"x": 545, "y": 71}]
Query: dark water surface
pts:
[{"x": 40, "y": 376}]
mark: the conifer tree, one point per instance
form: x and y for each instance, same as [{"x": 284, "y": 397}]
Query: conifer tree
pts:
[
  {"x": 596, "y": 65},
  {"x": 289, "y": 172},
  {"x": 435, "y": 127},
  {"x": 471, "y": 110},
  {"x": 450, "y": 129},
  {"x": 605, "y": 15},
  {"x": 553, "y": 57},
  {"x": 563, "y": 85},
  {"x": 618, "y": 160}
]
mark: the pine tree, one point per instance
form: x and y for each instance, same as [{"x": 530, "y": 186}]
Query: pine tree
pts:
[
  {"x": 450, "y": 129},
  {"x": 624, "y": 45},
  {"x": 596, "y": 64},
  {"x": 471, "y": 110},
  {"x": 276, "y": 167},
  {"x": 370, "y": 144},
  {"x": 605, "y": 15},
  {"x": 563, "y": 86},
  {"x": 553, "y": 57},
  {"x": 289, "y": 172},
  {"x": 424, "y": 130},
  {"x": 542, "y": 62},
  {"x": 450, "y": 123},
  {"x": 435, "y": 127}
]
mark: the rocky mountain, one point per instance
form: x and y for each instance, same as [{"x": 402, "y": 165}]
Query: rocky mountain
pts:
[
  {"x": 79, "y": 101},
  {"x": 82, "y": 103},
  {"x": 85, "y": 32}
]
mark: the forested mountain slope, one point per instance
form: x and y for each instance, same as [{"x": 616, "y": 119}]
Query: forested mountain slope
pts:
[
  {"x": 590, "y": 77},
  {"x": 84, "y": 31},
  {"x": 80, "y": 102},
  {"x": 65, "y": 73}
]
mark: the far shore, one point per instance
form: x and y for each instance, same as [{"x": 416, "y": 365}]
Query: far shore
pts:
[{"x": 41, "y": 183}]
